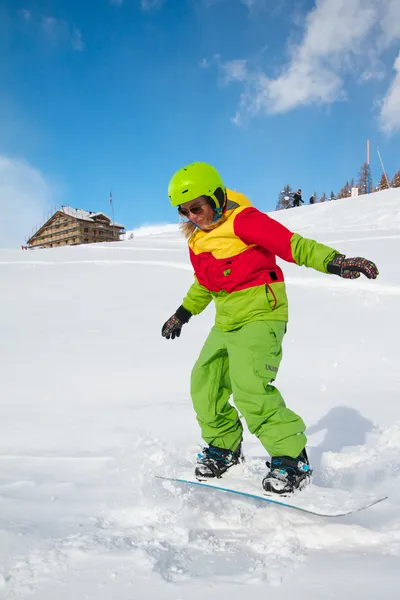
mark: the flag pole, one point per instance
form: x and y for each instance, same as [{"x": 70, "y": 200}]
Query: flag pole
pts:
[{"x": 112, "y": 212}]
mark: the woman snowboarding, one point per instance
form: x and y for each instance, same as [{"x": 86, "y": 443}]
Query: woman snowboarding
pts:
[{"x": 233, "y": 249}]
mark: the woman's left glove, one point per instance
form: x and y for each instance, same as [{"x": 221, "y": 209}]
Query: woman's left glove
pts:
[
  {"x": 172, "y": 328},
  {"x": 351, "y": 268}
]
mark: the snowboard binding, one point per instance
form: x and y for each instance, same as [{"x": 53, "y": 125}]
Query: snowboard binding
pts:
[
  {"x": 287, "y": 474},
  {"x": 214, "y": 462}
]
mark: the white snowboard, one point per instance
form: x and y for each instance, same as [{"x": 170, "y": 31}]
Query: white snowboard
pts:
[{"x": 325, "y": 502}]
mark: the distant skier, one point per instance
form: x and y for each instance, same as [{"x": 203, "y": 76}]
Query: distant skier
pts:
[
  {"x": 312, "y": 199},
  {"x": 233, "y": 249},
  {"x": 297, "y": 199}
]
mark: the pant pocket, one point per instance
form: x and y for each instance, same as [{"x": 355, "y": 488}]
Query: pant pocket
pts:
[
  {"x": 266, "y": 364},
  {"x": 266, "y": 368}
]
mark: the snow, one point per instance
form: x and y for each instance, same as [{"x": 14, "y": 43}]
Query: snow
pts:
[
  {"x": 146, "y": 230},
  {"x": 94, "y": 403},
  {"x": 85, "y": 215}
]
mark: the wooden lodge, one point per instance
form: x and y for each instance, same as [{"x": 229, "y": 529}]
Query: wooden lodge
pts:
[{"x": 72, "y": 226}]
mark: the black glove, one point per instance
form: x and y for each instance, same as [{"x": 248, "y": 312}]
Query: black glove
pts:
[
  {"x": 172, "y": 327},
  {"x": 351, "y": 268}
]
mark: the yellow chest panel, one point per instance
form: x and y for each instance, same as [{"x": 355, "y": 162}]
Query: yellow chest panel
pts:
[{"x": 221, "y": 242}]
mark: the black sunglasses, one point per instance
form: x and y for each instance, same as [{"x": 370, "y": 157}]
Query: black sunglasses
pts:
[{"x": 195, "y": 210}]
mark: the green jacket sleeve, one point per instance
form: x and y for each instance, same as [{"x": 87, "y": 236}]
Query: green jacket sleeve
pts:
[
  {"x": 310, "y": 253},
  {"x": 197, "y": 298}
]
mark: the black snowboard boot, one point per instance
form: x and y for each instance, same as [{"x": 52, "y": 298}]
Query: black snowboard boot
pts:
[
  {"x": 214, "y": 462},
  {"x": 287, "y": 474}
]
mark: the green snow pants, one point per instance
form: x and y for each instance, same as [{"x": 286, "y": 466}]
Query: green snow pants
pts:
[{"x": 243, "y": 362}]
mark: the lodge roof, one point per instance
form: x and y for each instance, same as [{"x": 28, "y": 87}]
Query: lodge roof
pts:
[{"x": 86, "y": 215}]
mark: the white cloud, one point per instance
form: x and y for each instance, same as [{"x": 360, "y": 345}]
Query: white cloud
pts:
[
  {"x": 235, "y": 70},
  {"x": 339, "y": 37},
  {"x": 372, "y": 74},
  {"x": 77, "y": 40},
  {"x": 390, "y": 24},
  {"x": 59, "y": 32},
  {"x": 390, "y": 110},
  {"x": 376, "y": 69},
  {"x": 24, "y": 197}
]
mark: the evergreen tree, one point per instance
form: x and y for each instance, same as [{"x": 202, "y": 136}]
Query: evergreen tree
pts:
[
  {"x": 363, "y": 177},
  {"x": 396, "y": 180},
  {"x": 285, "y": 198},
  {"x": 383, "y": 184},
  {"x": 332, "y": 196},
  {"x": 345, "y": 191},
  {"x": 323, "y": 198}
]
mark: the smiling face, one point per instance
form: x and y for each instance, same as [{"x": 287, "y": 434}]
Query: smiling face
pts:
[{"x": 198, "y": 211}]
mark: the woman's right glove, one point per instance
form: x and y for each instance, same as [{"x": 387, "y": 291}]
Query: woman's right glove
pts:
[
  {"x": 351, "y": 268},
  {"x": 172, "y": 328}
]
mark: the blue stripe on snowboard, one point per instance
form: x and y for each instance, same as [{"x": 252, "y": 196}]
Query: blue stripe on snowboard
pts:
[{"x": 270, "y": 500}]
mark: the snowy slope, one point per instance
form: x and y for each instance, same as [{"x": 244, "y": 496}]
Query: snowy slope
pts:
[{"x": 94, "y": 402}]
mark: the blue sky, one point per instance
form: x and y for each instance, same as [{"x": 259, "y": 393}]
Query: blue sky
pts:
[{"x": 121, "y": 93}]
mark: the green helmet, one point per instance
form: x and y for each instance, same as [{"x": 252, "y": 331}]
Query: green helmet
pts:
[{"x": 194, "y": 180}]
